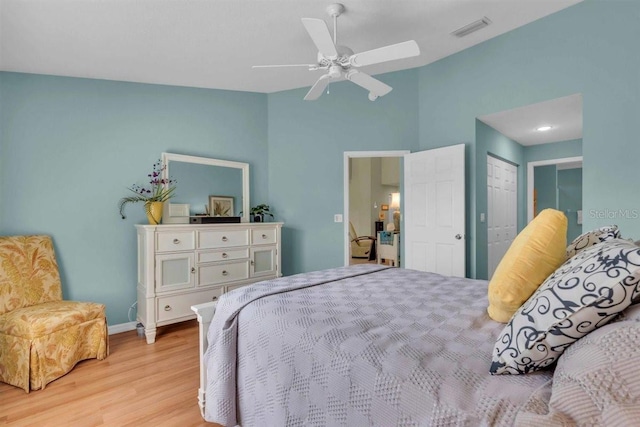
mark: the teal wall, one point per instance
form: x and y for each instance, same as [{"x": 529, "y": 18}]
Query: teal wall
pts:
[
  {"x": 546, "y": 185},
  {"x": 570, "y": 199},
  {"x": 555, "y": 150},
  {"x": 588, "y": 49},
  {"x": 71, "y": 147},
  {"x": 307, "y": 141}
]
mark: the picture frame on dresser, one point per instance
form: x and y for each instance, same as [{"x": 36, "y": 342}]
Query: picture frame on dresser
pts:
[{"x": 221, "y": 206}]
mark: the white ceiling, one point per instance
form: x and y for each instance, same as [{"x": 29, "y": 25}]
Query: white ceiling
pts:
[
  {"x": 521, "y": 124},
  {"x": 214, "y": 43}
]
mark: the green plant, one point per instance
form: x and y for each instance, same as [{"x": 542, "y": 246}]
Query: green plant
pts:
[
  {"x": 160, "y": 189},
  {"x": 260, "y": 210}
]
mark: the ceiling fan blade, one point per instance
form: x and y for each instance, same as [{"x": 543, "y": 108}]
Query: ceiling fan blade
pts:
[
  {"x": 383, "y": 54},
  {"x": 310, "y": 66},
  {"x": 321, "y": 36},
  {"x": 318, "y": 88},
  {"x": 374, "y": 86}
]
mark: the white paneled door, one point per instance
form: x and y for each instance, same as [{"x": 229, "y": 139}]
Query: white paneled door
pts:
[
  {"x": 502, "y": 209},
  {"x": 434, "y": 219}
]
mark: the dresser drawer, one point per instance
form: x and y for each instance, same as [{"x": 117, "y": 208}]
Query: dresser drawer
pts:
[
  {"x": 222, "y": 238},
  {"x": 263, "y": 236},
  {"x": 226, "y": 255},
  {"x": 222, "y": 273},
  {"x": 178, "y": 306},
  {"x": 175, "y": 241}
]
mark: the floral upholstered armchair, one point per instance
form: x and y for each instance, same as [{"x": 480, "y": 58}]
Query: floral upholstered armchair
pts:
[{"x": 42, "y": 337}]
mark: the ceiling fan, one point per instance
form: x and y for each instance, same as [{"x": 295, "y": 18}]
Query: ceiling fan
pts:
[{"x": 341, "y": 63}]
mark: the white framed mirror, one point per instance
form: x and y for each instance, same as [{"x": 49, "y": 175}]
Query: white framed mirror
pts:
[{"x": 198, "y": 178}]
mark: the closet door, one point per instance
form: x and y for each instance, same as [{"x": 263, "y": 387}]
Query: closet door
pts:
[{"x": 502, "y": 209}]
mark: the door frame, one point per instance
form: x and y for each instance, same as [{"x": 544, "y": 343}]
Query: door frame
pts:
[
  {"x": 530, "y": 166},
  {"x": 360, "y": 154}
]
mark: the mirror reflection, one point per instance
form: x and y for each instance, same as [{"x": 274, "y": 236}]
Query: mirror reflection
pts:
[
  {"x": 196, "y": 182},
  {"x": 201, "y": 181}
]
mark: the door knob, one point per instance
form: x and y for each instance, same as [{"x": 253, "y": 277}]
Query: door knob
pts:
[{"x": 458, "y": 236}]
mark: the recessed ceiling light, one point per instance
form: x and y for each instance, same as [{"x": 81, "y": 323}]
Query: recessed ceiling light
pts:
[{"x": 544, "y": 128}]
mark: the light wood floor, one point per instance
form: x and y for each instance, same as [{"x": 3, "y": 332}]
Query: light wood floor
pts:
[
  {"x": 136, "y": 385},
  {"x": 354, "y": 261}
]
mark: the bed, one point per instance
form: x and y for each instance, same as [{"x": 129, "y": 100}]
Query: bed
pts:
[
  {"x": 359, "y": 345},
  {"x": 370, "y": 345}
]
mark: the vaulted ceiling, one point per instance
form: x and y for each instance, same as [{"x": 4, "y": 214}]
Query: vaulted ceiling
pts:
[{"x": 214, "y": 43}]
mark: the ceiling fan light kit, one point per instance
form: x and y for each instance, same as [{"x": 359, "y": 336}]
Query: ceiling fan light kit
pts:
[{"x": 340, "y": 62}]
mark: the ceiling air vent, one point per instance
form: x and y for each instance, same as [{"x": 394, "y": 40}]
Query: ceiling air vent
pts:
[{"x": 470, "y": 28}]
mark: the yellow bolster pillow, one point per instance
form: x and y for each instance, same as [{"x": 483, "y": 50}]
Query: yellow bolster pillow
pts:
[{"x": 535, "y": 253}]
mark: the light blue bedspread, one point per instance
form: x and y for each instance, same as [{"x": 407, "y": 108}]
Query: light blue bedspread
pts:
[{"x": 359, "y": 346}]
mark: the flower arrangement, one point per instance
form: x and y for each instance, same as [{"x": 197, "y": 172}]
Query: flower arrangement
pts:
[{"x": 160, "y": 189}]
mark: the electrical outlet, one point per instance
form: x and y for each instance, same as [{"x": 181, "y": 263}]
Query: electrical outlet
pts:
[
  {"x": 337, "y": 218},
  {"x": 482, "y": 217}
]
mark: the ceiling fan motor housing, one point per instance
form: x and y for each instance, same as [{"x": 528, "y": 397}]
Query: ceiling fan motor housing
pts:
[
  {"x": 344, "y": 53},
  {"x": 340, "y": 62}
]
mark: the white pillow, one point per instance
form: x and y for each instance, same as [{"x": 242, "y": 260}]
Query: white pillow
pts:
[
  {"x": 583, "y": 294},
  {"x": 596, "y": 382}
]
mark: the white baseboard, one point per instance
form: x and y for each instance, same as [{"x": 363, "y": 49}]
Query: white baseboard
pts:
[{"x": 122, "y": 327}]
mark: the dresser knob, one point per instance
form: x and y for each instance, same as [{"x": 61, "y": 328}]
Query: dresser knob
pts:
[
  {"x": 167, "y": 308},
  {"x": 224, "y": 238},
  {"x": 225, "y": 273},
  {"x": 224, "y": 255},
  {"x": 214, "y": 298},
  {"x": 176, "y": 241},
  {"x": 264, "y": 236}
]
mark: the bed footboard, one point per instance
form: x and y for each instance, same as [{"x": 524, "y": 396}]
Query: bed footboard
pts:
[{"x": 204, "y": 313}]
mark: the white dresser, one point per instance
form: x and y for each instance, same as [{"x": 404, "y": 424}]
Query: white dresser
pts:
[{"x": 183, "y": 264}]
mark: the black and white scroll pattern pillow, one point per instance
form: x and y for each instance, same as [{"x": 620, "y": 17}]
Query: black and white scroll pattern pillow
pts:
[
  {"x": 584, "y": 293},
  {"x": 591, "y": 238}
]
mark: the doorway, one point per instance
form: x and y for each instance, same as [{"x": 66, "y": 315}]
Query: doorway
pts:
[
  {"x": 563, "y": 192},
  {"x": 370, "y": 203}
]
